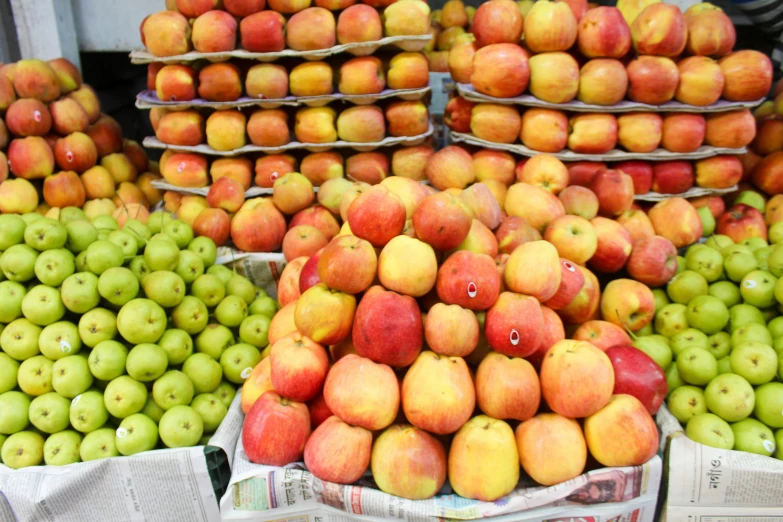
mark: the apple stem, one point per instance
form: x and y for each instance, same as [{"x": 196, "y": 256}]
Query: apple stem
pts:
[{"x": 625, "y": 327}]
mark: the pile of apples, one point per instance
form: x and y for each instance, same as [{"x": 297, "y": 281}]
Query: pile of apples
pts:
[
  {"x": 117, "y": 337},
  {"x": 764, "y": 160},
  {"x": 204, "y": 25},
  {"x": 449, "y": 26},
  {"x": 383, "y": 325},
  {"x": 58, "y": 150}
]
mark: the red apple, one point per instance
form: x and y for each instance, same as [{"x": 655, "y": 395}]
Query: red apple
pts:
[
  {"x": 500, "y": 70},
  {"x": 308, "y": 273},
  {"x": 635, "y": 373},
  {"x": 514, "y": 325},
  {"x": 497, "y": 21},
  {"x": 614, "y": 190},
  {"x": 614, "y": 246},
  {"x": 571, "y": 282},
  {"x": 741, "y": 222},
  {"x": 347, "y": 263},
  {"x": 672, "y": 177},
  {"x": 337, "y": 452},
  {"x": 299, "y": 367},
  {"x": 469, "y": 280},
  {"x": 275, "y": 430},
  {"x": 601, "y": 334},
  {"x": 641, "y": 173}
]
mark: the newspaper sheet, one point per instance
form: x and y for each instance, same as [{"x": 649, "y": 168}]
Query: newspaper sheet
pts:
[
  {"x": 293, "y": 494},
  {"x": 713, "y": 485},
  {"x": 171, "y": 485}
]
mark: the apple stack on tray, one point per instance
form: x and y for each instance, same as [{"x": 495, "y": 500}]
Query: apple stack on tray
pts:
[
  {"x": 117, "y": 337},
  {"x": 281, "y": 98},
  {"x": 449, "y": 26},
  {"x": 659, "y": 88},
  {"x": 58, "y": 150}
]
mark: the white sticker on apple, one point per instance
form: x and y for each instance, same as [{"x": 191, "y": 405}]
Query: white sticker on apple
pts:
[
  {"x": 246, "y": 372},
  {"x": 749, "y": 284},
  {"x": 76, "y": 400},
  {"x": 769, "y": 445},
  {"x": 65, "y": 346},
  {"x": 181, "y": 166},
  {"x": 568, "y": 266},
  {"x": 472, "y": 290},
  {"x": 273, "y": 176},
  {"x": 514, "y": 337},
  {"x": 37, "y": 116},
  {"x": 121, "y": 433}
]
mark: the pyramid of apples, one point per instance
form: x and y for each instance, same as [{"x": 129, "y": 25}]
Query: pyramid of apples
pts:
[{"x": 117, "y": 337}]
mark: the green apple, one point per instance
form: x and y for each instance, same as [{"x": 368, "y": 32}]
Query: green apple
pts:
[
  {"x": 752, "y": 199},
  {"x": 671, "y": 319},
  {"x": 88, "y": 411},
  {"x": 758, "y": 289},
  {"x": 254, "y": 330},
  {"x": 97, "y": 325},
  {"x": 685, "y": 286},
  {"x": 11, "y": 230},
  {"x": 124, "y": 396},
  {"x": 35, "y": 376},
  {"x": 707, "y": 221},
  {"x": 226, "y": 393},
  {"x": 81, "y": 234},
  {"x": 686, "y": 339},
  {"x": 180, "y": 427},
  {"x": 107, "y": 360},
  {"x": 724, "y": 365},
  {"x": 645, "y": 330},
  {"x": 177, "y": 344},
  {"x": 211, "y": 409},
  {"x": 241, "y": 287},
  {"x": 696, "y": 366},
  {"x": 164, "y": 287},
  {"x": 205, "y": 248},
  {"x": 14, "y": 407},
  {"x": 103, "y": 255},
  {"x": 31, "y": 217},
  {"x": 751, "y": 332},
  {"x": 769, "y": 404},
  {"x": 705, "y": 261},
  {"x": 18, "y": 263},
  {"x": 269, "y": 307},
  {"x": 718, "y": 242},
  {"x": 79, "y": 292},
  {"x": 179, "y": 231},
  {"x": 707, "y": 313},
  {"x": 757, "y": 362},
  {"x": 60, "y": 339},
  {"x": 190, "y": 266},
  {"x": 742, "y": 314},
  {"x": 98, "y": 444},
  {"x": 231, "y": 311},
  {"x": 81, "y": 261},
  {"x": 728, "y": 250},
  {"x": 69, "y": 214},
  {"x": 53, "y": 266},
  {"x": 9, "y": 368},
  {"x": 139, "y": 229},
  {"x": 214, "y": 340},
  {"x": 42, "y": 305},
  {"x": 20, "y": 339},
  {"x": 263, "y": 303},
  {"x": 238, "y": 361},
  {"x": 680, "y": 265},
  {"x": 752, "y": 436},
  {"x": 126, "y": 241},
  {"x": 71, "y": 376},
  {"x": 139, "y": 267},
  {"x": 775, "y": 327},
  {"x": 222, "y": 272},
  {"x": 710, "y": 430},
  {"x": 719, "y": 344},
  {"x": 61, "y": 449},
  {"x": 157, "y": 220},
  {"x": 11, "y": 295},
  {"x": 727, "y": 292},
  {"x": 778, "y": 292},
  {"x": 161, "y": 255},
  {"x": 136, "y": 433},
  {"x": 777, "y": 344},
  {"x": 23, "y": 449},
  {"x": 205, "y": 372},
  {"x": 45, "y": 234},
  {"x": 49, "y": 412},
  {"x": 779, "y": 444},
  {"x": 209, "y": 288},
  {"x": 146, "y": 362},
  {"x": 762, "y": 256},
  {"x": 191, "y": 315},
  {"x": 686, "y": 402},
  {"x": 738, "y": 264},
  {"x": 141, "y": 321},
  {"x": 152, "y": 410},
  {"x": 105, "y": 223},
  {"x": 730, "y": 396},
  {"x": 173, "y": 388},
  {"x": 754, "y": 243},
  {"x": 118, "y": 285},
  {"x": 775, "y": 233},
  {"x": 769, "y": 313}
]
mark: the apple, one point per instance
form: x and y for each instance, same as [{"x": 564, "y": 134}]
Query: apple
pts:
[
  {"x": 62, "y": 448},
  {"x": 603, "y": 33},
  {"x": 337, "y": 452},
  {"x": 500, "y": 70},
  {"x": 652, "y": 79},
  {"x": 544, "y": 130},
  {"x": 659, "y": 29},
  {"x": 542, "y": 439},
  {"x": 275, "y": 430},
  {"x": 769, "y": 404},
  {"x": 626, "y": 411},
  {"x": 514, "y": 324},
  {"x": 748, "y": 75},
  {"x": 614, "y": 190},
  {"x": 653, "y": 261},
  {"x": 550, "y": 26},
  {"x": 497, "y": 21},
  {"x": 507, "y": 388},
  {"x": 754, "y": 361}
]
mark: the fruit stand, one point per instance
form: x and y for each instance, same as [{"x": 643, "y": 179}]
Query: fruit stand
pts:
[{"x": 397, "y": 259}]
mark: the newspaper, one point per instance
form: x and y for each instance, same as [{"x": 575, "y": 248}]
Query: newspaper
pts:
[
  {"x": 170, "y": 485},
  {"x": 268, "y": 493},
  {"x": 712, "y": 485},
  {"x": 263, "y": 269}
]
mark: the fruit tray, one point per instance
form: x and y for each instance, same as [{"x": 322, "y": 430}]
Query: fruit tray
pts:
[
  {"x": 612, "y": 155},
  {"x": 147, "y": 99},
  {"x": 693, "y": 192},
  {"x": 528, "y": 100},
  {"x": 154, "y": 143},
  {"x": 406, "y": 43}
]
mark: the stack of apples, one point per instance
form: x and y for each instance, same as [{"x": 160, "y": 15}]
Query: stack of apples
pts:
[
  {"x": 117, "y": 337},
  {"x": 383, "y": 326},
  {"x": 763, "y": 162},
  {"x": 570, "y": 52},
  {"x": 450, "y": 26},
  {"x": 58, "y": 150}
]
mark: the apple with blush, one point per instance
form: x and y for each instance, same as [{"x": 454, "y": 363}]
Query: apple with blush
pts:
[
  {"x": 614, "y": 190},
  {"x": 275, "y": 430},
  {"x": 497, "y": 21},
  {"x": 741, "y": 222},
  {"x": 676, "y": 220},
  {"x": 683, "y": 132},
  {"x": 288, "y": 286},
  {"x": 653, "y": 261},
  {"x": 571, "y": 282},
  {"x": 672, "y": 177},
  {"x": 601, "y": 334},
  {"x": 544, "y": 130},
  {"x": 652, "y": 79}
]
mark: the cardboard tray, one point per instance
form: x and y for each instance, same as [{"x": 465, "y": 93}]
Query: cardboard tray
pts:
[
  {"x": 406, "y": 43},
  {"x": 528, "y": 100},
  {"x": 147, "y": 99},
  {"x": 154, "y": 143},
  {"x": 613, "y": 155},
  {"x": 693, "y": 192}
]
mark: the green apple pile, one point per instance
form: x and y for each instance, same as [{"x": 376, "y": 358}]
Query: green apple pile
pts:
[
  {"x": 117, "y": 340},
  {"x": 718, "y": 334}
]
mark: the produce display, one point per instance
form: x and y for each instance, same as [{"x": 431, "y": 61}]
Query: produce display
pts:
[
  {"x": 117, "y": 337},
  {"x": 58, "y": 150}
]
